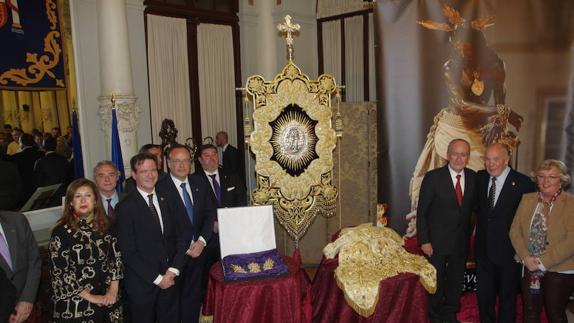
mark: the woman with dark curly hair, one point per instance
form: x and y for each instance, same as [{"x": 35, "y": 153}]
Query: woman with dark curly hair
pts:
[{"x": 85, "y": 263}]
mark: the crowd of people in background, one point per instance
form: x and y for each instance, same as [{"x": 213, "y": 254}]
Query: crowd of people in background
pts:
[{"x": 32, "y": 160}]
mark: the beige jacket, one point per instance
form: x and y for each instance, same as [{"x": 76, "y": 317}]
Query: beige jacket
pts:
[{"x": 559, "y": 254}]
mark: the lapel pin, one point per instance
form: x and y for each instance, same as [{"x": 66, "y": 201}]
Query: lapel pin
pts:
[{"x": 513, "y": 183}]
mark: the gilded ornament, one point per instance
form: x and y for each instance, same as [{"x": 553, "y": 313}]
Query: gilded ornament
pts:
[
  {"x": 477, "y": 86},
  {"x": 39, "y": 66},
  {"x": 293, "y": 143},
  {"x": 268, "y": 265},
  {"x": 238, "y": 269},
  {"x": 254, "y": 267}
]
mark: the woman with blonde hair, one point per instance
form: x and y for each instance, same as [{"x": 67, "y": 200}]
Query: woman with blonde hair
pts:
[{"x": 542, "y": 234}]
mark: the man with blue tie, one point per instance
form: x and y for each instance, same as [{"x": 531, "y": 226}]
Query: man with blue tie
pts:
[{"x": 190, "y": 198}]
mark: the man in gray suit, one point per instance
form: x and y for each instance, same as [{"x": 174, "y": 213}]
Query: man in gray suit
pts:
[
  {"x": 20, "y": 261},
  {"x": 106, "y": 176}
]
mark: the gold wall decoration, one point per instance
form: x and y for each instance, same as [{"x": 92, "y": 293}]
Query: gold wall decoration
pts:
[{"x": 293, "y": 142}]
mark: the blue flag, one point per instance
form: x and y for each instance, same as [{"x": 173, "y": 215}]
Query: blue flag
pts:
[
  {"x": 77, "y": 147},
  {"x": 117, "y": 151}
]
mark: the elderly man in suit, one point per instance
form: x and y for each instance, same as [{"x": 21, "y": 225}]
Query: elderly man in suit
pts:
[
  {"x": 446, "y": 201},
  {"x": 20, "y": 261},
  {"x": 153, "y": 246},
  {"x": 191, "y": 199},
  {"x": 499, "y": 191},
  {"x": 106, "y": 176}
]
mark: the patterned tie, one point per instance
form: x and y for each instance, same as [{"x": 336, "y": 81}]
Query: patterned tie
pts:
[
  {"x": 153, "y": 211},
  {"x": 216, "y": 188},
  {"x": 458, "y": 190},
  {"x": 4, "y": 251},
  {"x": 111, "y": 214},
  {"x": 492, "y": 193},
  {"x": 187, "y": 202}
]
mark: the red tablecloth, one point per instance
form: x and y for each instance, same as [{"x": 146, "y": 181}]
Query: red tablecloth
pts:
[
  {"x": 402, "y": 299},
  {"x": 284, "y": 299}
]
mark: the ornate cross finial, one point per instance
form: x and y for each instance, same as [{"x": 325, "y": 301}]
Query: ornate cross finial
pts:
[
  {"x": 288, "y": 28},
  {"x": 113, "y": 99}
]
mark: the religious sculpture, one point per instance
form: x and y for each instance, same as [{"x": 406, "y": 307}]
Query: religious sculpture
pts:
[{"x": 477, "y": 109}]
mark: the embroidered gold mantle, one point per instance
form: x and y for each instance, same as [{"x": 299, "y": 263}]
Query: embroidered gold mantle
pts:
[{"x": 369, "y": 254}]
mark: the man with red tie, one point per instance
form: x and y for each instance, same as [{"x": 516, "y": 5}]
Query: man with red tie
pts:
[
  {"x": 106, "y": 176},
  {"x": 445, "y": 205}
]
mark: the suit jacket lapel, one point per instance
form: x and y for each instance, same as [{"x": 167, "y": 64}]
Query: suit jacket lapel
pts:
[
  {"x": 10, "y": 235},
  {"x": 468, "y": 187},
  {"x": 144, "y": 204},
  {"x": 506, "y": 186}
]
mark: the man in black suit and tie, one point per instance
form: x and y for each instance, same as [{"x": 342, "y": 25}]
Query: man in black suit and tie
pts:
[
  {"x": 446, "y": 201},
  {"x": 52, "y": 168},
  {"x": 191, "y": 199},
  {"x": 25, "y": 160},
  {"x": 153, "y": 245},
  {"x": 20, "y": 261},
  {"x": 230, "y": 155},
  {"x": 10, "y": 185},
  {"x": 226, "y": 189},
  {"x": 106, "y": 176},
  {"x": 499, "y": 191}
]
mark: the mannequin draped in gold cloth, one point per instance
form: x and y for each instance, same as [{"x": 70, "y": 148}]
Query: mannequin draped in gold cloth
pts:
[{"x": 476, "y": 112}]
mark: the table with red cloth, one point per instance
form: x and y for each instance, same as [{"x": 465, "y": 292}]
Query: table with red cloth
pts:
[
  {"x": 283, "y": 299},
  {"x": 402, "y": 298}
]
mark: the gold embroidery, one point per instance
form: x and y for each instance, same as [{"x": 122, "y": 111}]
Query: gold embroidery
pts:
[
  {"x": 238, "y": 269},
  {"x": 254, "y": 267},
  {"x": 369, "y": 254},
  {"x": 268, "y": 265},
  {"x": 43, "y": 65}
]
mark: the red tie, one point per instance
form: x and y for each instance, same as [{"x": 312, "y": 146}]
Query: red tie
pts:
[{"x": 458, "y": 190}]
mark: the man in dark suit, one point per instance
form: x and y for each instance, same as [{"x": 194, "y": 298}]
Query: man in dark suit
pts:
[
  {"x": 10, "y": 185},
  {"x": 191, "y": 199},
  {"x": 230, "y": 155},
  {"x": 155, "y": 150},
  {"x": 226, "y": 189},
  {"x": 153, "y": 246},
  {"x": 20, "y": 261},
  {"x": 25, "y": 160},
  {"x": 106, "y": 176},
  {"x": 7, "y": 297},
  {"x": 499, "y": 191},
  {"x": 446, "y": 201},
  {"x": 52, "y": 168}
]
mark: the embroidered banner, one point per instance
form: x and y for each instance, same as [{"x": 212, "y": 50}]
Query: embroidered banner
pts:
[{"x": 31, "y": 45}]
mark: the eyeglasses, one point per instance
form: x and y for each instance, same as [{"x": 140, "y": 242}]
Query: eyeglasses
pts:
[
  {"x": 551, "y": 178},
  {"x": 178, "y": 161}
]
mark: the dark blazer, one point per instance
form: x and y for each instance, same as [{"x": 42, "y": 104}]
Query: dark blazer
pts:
[
  {"x": 10, "y": 185},
  {"x": 204, "y": 207},
  {"x": 51, "y": 169},
  {"x": 492, "y": 226},
  {"x": 230, "y": 159},
  {"x": 7, "y": 297},
  {"x": 440, "y": 220},
  {"x": 233, "y": 191},
  {"x": 25, "y": 160},
  {"x": 25, "y": 275},
  {"x": 146, "y": 252}
]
